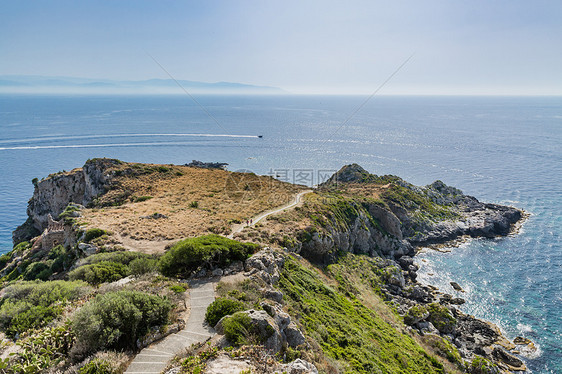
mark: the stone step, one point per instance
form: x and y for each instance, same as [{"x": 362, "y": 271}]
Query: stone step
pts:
[
  {"x": 146, "y": 367},
  {"x": 196, "y": 333},
  {"x": 156, "y": 351}
]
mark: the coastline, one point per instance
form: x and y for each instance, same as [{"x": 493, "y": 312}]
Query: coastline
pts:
[{"x": 389, "y": 230}]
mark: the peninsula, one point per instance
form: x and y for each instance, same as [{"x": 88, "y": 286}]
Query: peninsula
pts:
[{"x": 127, "y": 267}]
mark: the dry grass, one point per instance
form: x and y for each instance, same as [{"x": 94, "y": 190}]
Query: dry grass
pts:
[{"x": 194, "y": 202}]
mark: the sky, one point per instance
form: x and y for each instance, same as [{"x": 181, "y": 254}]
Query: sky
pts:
[{"x": 503, "y": 47}]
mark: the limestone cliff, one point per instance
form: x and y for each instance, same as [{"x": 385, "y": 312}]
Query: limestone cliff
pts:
[{"x": 54, "y": 193}]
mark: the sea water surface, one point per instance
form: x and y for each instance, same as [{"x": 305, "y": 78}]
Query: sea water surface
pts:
[{"x": 505, "y": 150}]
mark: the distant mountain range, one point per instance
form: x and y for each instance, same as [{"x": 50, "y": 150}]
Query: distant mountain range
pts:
[{"x": 45, "y": 84}]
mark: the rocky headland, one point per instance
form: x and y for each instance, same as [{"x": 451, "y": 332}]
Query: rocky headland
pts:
[{"x": 357, "y": 232}]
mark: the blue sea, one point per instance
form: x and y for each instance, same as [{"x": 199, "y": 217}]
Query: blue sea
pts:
[{"x": 505, "y": 150}]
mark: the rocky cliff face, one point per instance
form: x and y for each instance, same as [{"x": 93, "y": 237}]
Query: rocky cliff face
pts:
[
  {"x": 400, "y": 218},
  {"x": 54, "y": 193},
  {"x": 360, "y": 235}
]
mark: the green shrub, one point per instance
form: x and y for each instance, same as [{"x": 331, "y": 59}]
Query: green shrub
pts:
[
  {"x": 92, "y": 234},
  {"x": 143, "y": 265},
  {"x": 178, "y": 288},
  {"x": 139, "y": 199},
  {"x": 62, "y": 259},
  {"x": 37, "y": 270},
  {"x": 123, "y": 257},
  {"x": 28, "y": 305},
  {"x": 222, "y": 307},
  {"x": 68, "y": 215},
  {"x": 117, "y": 319},
  {"x": 194, "y": 204},
  {"x": 238, "y": 328},
  {"x": 100, "y": 272},
  {"x": 208, "y": 251},
  {"x": 21, "y": 247},
  {"x": 31, "y": 318},
  {"x": 97, "y": 366},
  {"x": 4, "y": 259}
]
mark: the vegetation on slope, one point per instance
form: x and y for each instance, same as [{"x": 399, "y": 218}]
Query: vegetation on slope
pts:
[
  {"x": 30, "y": 305},
  {"x": 347, "y": 330}
]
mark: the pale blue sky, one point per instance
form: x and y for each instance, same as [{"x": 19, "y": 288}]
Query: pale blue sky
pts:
[{"x": 461, "y": 47}]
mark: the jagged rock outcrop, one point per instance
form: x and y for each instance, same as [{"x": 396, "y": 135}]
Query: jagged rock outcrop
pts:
[
  {"x": 359, "y": 237},
  {"x": 207, "y": 165},
  {"x": 54, "y": 193},
  {"x": 400, "y": 218}
]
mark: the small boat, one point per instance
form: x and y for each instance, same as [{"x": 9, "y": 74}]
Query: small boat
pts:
[{"x": 260, "y": 136}]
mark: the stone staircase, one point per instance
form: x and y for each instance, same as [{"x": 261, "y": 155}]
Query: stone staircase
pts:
[{"x": 154, "y": 358}]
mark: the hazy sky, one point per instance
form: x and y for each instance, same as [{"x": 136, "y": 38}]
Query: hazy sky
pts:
[{"x": 461, "y": 47}]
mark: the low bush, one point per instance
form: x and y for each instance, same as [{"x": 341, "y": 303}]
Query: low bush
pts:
[
  {"x": 117, "y": 319},
  {"x": 222, "y": 307},
  {"x": 92, "y": 234},
  {"x": 207, "y": 251},
  {"x": 4, "y": 259},
  {"x": 139, "y": 199},
  {"x": 37, "y": 270},
  {"x": 62, "y": 258},
  {"x": 238, "y": 329},
  {"x": 178, "y": 288},
  {"x": 100, "y": 272},
  {"x": 27, "y": 305},
  {"x": 123, "y": 257},
  {"x": 97, "y": 366},
  {"x": 142, "y": 266}
]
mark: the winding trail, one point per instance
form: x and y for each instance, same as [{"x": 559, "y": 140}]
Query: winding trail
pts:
[
  {"x": 239, "y": 227},
  {"x": 154, "y": 358}
]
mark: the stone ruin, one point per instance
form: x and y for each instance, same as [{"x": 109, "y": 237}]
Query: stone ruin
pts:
[{"x": 53, "y": 235}]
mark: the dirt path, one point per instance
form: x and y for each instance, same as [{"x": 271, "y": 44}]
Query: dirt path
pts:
[
  {"x": 239, "y": 227},
  {"x": 154, "y": 358}
]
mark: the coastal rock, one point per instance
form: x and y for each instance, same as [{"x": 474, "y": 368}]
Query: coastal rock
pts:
[
  {"x": 521, "y": 341},
  {"x": 456, "y": 286},
  {"x": 512, "y": 362},
  {"x": 207, "y": 165},
  {"x": 457, "y": 301},
  {"x": 217, "y": 273}
]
